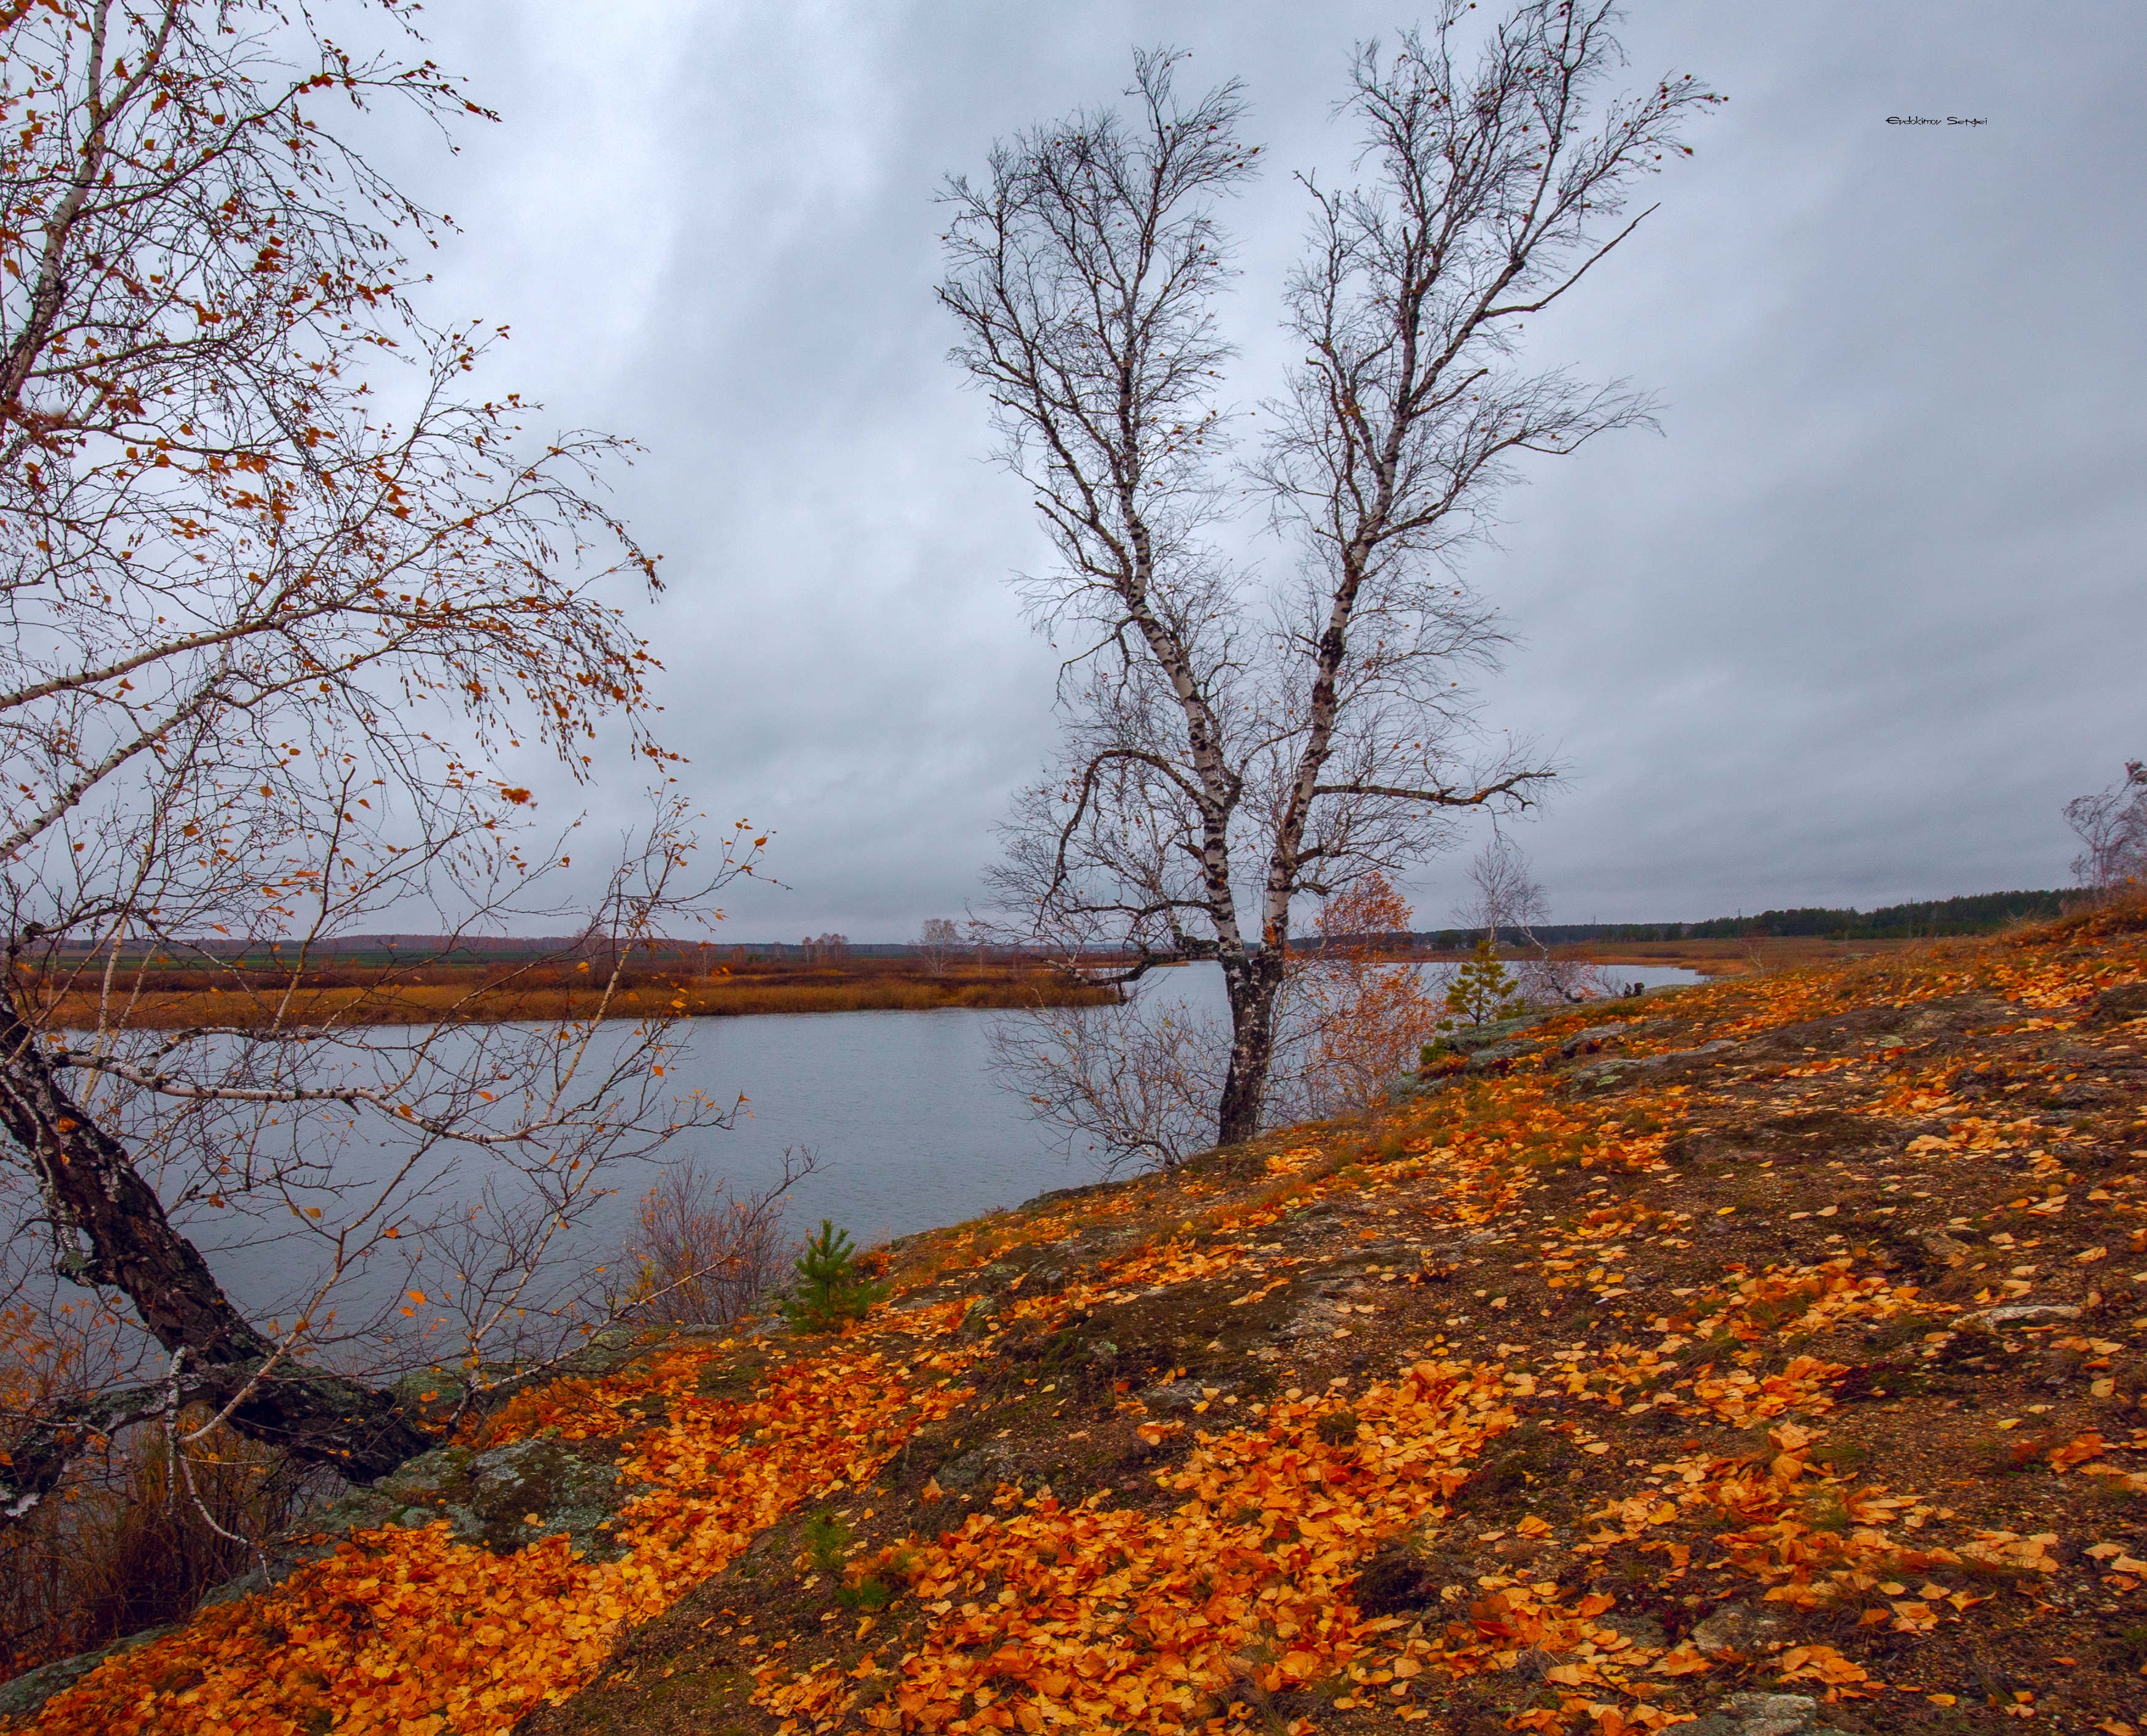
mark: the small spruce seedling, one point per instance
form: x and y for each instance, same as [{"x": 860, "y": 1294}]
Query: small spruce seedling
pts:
[
  {"x": 827, "y": 1542},
  {"x": 831, "y": 1290}
]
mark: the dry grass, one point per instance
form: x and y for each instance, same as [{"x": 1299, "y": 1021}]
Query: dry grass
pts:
[
  {"x": 2105, "y": 917},
  {"x": 121, "y": 1549},
  {"x": 452, "y": 996}
]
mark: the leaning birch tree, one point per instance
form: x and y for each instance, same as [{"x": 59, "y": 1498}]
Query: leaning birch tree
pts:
[
  {"x": 284, "y": 602},
  {"x": 1231, "y": 744}
]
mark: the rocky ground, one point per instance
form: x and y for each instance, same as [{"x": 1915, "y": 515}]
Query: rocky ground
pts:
[{"x": 1769, "y": 1354}]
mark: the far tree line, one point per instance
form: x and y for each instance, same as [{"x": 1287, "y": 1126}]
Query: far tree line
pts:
[{"x": 1981, "y": 914}]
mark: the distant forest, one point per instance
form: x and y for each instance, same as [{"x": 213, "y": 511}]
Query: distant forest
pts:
[{"x": 1983, "y": 913}]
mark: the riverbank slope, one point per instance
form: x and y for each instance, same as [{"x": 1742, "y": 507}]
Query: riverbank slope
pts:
[{"x": 1784, "y": 1337}]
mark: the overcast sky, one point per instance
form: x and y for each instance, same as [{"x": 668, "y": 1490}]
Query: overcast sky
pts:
[{"x": 1850, "y": 630}]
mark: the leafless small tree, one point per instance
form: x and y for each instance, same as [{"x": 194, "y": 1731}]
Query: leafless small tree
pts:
[
  {"x": 698, "y": 1254},
  {"x": 1232, "y": 745},
  {"x": 283, "y": 602},
  {"x": 1130, "y": 1085},
  {"x": 1510, "y": 904},
  {"x": 826, "y": 948},
  {"x": 2112, "y": 827},
  {"x": 938, "y": 941},
  {"x": 1504, "y": 899}
]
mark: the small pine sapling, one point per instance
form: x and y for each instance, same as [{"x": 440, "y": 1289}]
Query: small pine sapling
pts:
[
  {"x": 1481, "y": 994},
  {"x": 827, "y": 1542},
  {"x": 831, "y": 1289}
]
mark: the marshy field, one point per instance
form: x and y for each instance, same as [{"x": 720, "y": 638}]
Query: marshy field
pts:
[{"x": 171, "y": 995}]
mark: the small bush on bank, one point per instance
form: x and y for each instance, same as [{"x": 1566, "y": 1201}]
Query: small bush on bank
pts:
[{"x": 699, "y": 1255}]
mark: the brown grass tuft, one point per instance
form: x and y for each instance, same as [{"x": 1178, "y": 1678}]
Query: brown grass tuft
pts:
[{"x": 126, "y": 1548}]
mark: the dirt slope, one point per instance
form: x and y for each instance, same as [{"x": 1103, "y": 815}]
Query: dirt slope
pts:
[{"x": 1788, "y": 1338}]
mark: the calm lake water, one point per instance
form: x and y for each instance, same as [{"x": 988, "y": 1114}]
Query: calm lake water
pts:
[{"x": 901, "y": 1108}]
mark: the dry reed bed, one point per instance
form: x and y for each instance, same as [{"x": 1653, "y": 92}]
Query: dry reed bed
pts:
[{"x": 457, "y": 1003}]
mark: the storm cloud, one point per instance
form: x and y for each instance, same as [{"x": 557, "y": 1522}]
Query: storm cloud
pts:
[{"x": 1850, "y": 629}]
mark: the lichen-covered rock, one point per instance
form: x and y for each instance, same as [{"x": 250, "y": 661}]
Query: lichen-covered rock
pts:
[
  {"x": 1496, "y": 1057},
  {"x": 32, "y": 1689},
  {"x": 1737, "y": 1627},
  {"x": 2120, "y": 1005},
  {"x": 1758, "y": 1714},
  {"x": 1588, "y": 1042},
  {"x": 1471, "y": 1040},
  {"x": 1605, "y": 1073},
  {"x": 971, "y": 1468},
  {"x": 505, "y": 1498}
]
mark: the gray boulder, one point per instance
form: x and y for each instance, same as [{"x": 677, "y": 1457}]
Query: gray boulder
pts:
[
  {"x": 1758, "y": 1714},
  {"x": 23, "y": 1695}
]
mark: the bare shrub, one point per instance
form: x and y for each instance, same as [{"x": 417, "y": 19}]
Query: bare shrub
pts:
[
  {"x": 698, "y": 1255},
  {"x": 148, "y": 1516},
  {"x": 1509, "y": 904},
  {"x": 1131, "y": 1085},
  {"x": 141, "y": 1536},
  {"x": 2112, "y": 826}
]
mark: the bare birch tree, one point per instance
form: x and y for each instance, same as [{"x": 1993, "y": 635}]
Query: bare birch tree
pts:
[
  {"x": 937, "y": 941},
  {"x": 1231, "y": 745},
  {"x": 1509, "y": 904},
  {"x": 1504, "y": 899},
  {"x": 283, "y": 600}
]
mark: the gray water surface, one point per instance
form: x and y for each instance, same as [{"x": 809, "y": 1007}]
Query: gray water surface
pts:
[
  {"x": 903, "y": 1109},
  {"x": 908, "y": 1125}
]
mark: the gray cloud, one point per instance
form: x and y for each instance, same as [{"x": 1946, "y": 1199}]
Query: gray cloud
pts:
[{"x": 1851, "y": 630}]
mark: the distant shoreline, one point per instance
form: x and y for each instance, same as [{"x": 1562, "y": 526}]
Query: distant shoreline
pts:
[
  {"x": 153, "y": 998},
  {"x": 174, "y": 995}
]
